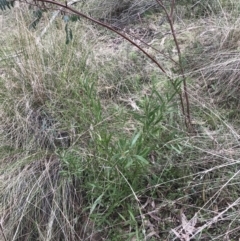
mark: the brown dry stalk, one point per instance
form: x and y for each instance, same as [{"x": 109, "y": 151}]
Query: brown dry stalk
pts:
[{"x": 188, "y": 122}]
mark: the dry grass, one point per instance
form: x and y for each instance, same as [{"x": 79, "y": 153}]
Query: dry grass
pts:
[
  {"x": 216, "y": 61},
  {"x": 120, "y": 13},
  {"x": 99, "y": 91},
  {"x": 49, "y": 207}
]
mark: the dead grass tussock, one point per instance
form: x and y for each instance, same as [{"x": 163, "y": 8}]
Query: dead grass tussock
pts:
[
  {"x": 216, "y": 62},
  {"x": 49, "y": 207}
]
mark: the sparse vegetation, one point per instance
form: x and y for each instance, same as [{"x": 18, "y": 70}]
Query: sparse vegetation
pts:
[{"x": 93, "y": 139}]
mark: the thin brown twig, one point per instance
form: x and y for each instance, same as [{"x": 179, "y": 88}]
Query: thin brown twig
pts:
[{"x": 188, "y": 122}]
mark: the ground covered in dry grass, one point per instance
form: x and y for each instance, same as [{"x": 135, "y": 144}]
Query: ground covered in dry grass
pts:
[{"x": 92, "y": 137}]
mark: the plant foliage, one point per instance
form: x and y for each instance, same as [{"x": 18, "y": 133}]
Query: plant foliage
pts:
[
  {"x": 6, "y": 4},
  {"x": 38, "y": 15}
]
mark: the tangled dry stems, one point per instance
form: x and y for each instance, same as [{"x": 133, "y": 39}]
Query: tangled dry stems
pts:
[{"x": 197, "y": 175}]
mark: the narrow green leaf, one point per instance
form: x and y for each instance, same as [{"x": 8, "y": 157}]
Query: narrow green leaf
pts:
[
  {"x": 142, "y": 159},
  {"x": 67, "y": 37},
  {"x": 134, "y": 140},
  {"x": 175, "y": 149},
  {"x": 132, "y": 216},
  {"x": 122, "y": 217},
  {"x": 145, "y": 152},
  {"x": 38, "y": 15},
  {"x": 129, "y": 163},
  {"x": 74, "y": 18},
  {"x": 97, "y": 201}
]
